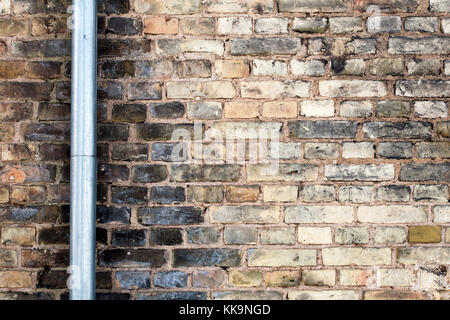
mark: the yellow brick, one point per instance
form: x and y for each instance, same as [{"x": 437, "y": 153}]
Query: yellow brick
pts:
[
  {"x": 232, "y": 68},
  {"x": 280, "y": 193},
  {"x": 447, "y": 236},
  {"x": 242, "y": 194},
  {"x": 280, "y": 109},
  {"x": 283, "y": 278},
  {"x": 15, "y": 279},
  {"x": 241, "y": 109},
  {"x": 4, "y": 195},
  {"x": 424, "y": 234},
  {"x": 161, "y": 25},
  {"x": 319, "y": 277},
  {"x": 18, "y": 236},
  {"x": 245, "y": 278}
]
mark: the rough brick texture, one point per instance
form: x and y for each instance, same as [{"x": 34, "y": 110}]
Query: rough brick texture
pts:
[{"x": 358, "y": 207}]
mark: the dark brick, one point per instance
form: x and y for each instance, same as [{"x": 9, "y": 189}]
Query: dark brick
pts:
[
  {"x": 113, "y": 6},
  {"x": 165, "y": 152},
  {"x": 102, "y": 193},
  {"x": 56, "y": 235},
  {"x": 102, "y": 152},
  {"x": 47, "y": 132},
  {"x": 150, "y": 173},
  {"x": 130, "y": 152},
  {"x": 36, "y": 91},
  {"x": 166, "y": 237},
  {"x": 54, "y": 111},
  {"x": 124, "y": 26},
  {"x": 104, "y": 280},
  {"x": 123, "y": 48},
  {"x": 101, "y": 236},
  {"x": 393, "y": 193},
  {"x": 112, "y": 132},
  {"x": 117, "y": 69},
  {"x": 58, "y": 193},
  {"x": 161, "y": 131},
  {"x": 206, "y": 257},
  {"x": 41, "y": 48},
  {"x": 43, "y": 214},
  {"x": 167, "y": 195},
  {"x": 203, "y": 235},
  {"x": 411, "y": 130},
  {"x": 38, "y": 258},
  {"x": 43, "y": 70},
  {"x": 129, "y": 113},
  {"x": 109, "y": 90},
  {"x": 323, "y": 129},
  {"x": 22, "y": 296},
  {"x": 133, "y": 280},
  {"x": 62, "y": 90},
  {"x": 170, "y": 215},
  {"x": 203, "y": 173},
  {"x": 139, "y": 258},
  {"x": 171, "y": 110},
  {"x": 129, "y": 238},
  {"x": 425, "y": 172},
  {"x": 113, "y": 172},
  {"x": 112, "y": 296},
  {"x": 129, "y": 195},
  {"x": 50, "y": 279},
  {"x": 112, "y": 214},
  {"x": 27, "y": 173},
  {"x": 144, "y": 91},
  {"x": 171, "y": 279},
  {"x": 194, "y": 69},
  {"x": 182, "y": 295},
  {"x": 393, "y": 109},
  {"x": 14, "y": 112},
  {"x": 48, "y": 25},
  {"x": 41, "y": 6},
  {"x": 154, "y": 69},
  {"x": 395, "y": 150},
  {"x": 265, "y": 46}
]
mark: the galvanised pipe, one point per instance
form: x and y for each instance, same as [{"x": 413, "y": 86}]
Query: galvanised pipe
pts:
[{"x": 83, "y": 175}]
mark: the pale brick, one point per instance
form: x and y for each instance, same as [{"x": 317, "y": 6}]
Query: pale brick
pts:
[
  {"x": 424, "y": 255},
  {"x": 425, "y": 192},
  {"x": 269, "y": 68},
  {"x": 356, "y": 109},
  {"x": 280, "y": 109},
  {"x": 285, "y": 150},
  {"x": 283, "y": 278},
  {"x": 198, "y": 26},
  {"x": 352, "y": 235},
  {"x": 439, "y": 6},
  {"x": 278, "y": 236},
  {"x": 245, "y": 130},
  {"x": 240, "y": 235},
  {"x": 245, "y": 278},
  {"x": 174, "y": 47},
  {"x": 395, "y": 277},
  {"x": 377, "y": 24},
  {"x": 317, "y": 108},
  {"x": 356, "y": 256},
  {"x": 315, "y": 6},
  {"x": 275, "y": 89},
  {"x": 445, "y": 25},
  {"x": 422, "y": 24},
  {"x": 239, "y": 6},
  {"x": 18, "y": 236},
  {"x": 424, "y": 45},
  {"x": 272, "y": 26},
  {"x": 310, "y": 25},
  {"x": 352, "y": 88},
  {"x": 285, "y": 172},
  {"x": 314, "y": 235},
  {"x": 245, "y": 214},
  {"x": 4, "y": 195},
  {"x": 247, "y": 295},
  {"x": 432, "y": 278},
  {"x": 358, "y": 150},
  {"x": 323, "y": 295},
  {"x": 232, "y": 68},
  {"x": 319, "y": 277},
  {"x": 316, "y": 214},
  {"x": 312, "y": 68},
  {"x": 167, "y": 6},
  {"x": 5, "y": 7},
  {"x": 281, "y": 257},
  {"x": 280, "y": 193},
  {"x": 204, "y": 110},
  {"x": 348, "y": 67},
  {"x": 392, "y": 214},
  {"x": 318, "y": 193},
  {"x": 340, "y": 25},
  {"x": 431, "y": 109},
  {"x": 15, "y": 279},
  {"x": 424, "y": 67},
  {"x": 390, "y": 235},
  {"x": 356, "y": 194},
  {"x": 354, "y": 277},
  {"x": 160, "y": 25},
  {"x": 323, "y": 151},
  {"x": 441, "y": 214},
  {"x": 355, "y": 172},
  {"x": 235, "y": 25},
  {"x": 395, "y": 295},
  {"x": 193, "y": 89}
]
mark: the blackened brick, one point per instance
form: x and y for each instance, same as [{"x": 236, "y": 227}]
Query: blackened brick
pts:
[
  {"x": 47, "y": 132},
  {"x": 54, "y": 111},
  {"x": 130, "y": 152},
  {"x": 112, "y": 132},
  {"x": 150, "y": 173},
  {"x": 129, "y": 195},
  {"x": 113, "y": 173},
  {"x": 170, "y": 215},
  {"x": 171, "y": 110},
  {"x": 112, "y": 214},
  {"x": 206, "y": 257},
  {"x": 139, "y": 258},
  {"x": 124, "y": 26},
  {"x": 167, "y": 195},
  {"x": 166, "y": 236},
  {"x": 129, "y": 112},
  {"x": 129, "y": 238}
]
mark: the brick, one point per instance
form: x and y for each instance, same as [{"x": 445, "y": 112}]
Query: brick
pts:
[
  {"x": 232, "y": 68},
  {"x": 341, "y": 25},
  {"x": 154, "y": 69},
  {"x": 175, "y": 295},
  {"x": 124, "y": 26},
  {"x": 132, "y": 258},
  {"x": 217, "y": 257},
  {"x": 113, "y": 214},
  {"x": 359, "y": 172},
  {"x": 393, "y": 193},
  {"x": 130, "y": 152},
  {"x": 386, "y": 67},
  {"x": 241, "y": 109},
  {"x": 322, "y": 129},
  {"x": 317, "y": 193},
  {"x": 205, "y": 194},
  {"x": 395, "y": 150},
  {"x": 278, "y": 236},
  {"x": 170, "y": 215},
  {"x": 132, "y": 280},
  {"x": 160, "y": 25},
  {"x": 424, "y": 234},
  {"x": 194, "y": 69},
  {"x": 272, "y": 26},
  {"x": 171, "y": 279},
  {"x": 282, "y": 278},
  {"x": 425, "y": 172},
  {"x": 37, "y": 91},
  {"x": 17, "y": 152},
  {"x": 431, "y": 193},
  {"x": 245, "y": 214},
  {"x": 13, "y": 27},
  {"x": 128, "y": 238},
  {"x": 431, "y": 109},
  {"x": 8, "y": 258},
  {"x": 265, "y": 46},
  {"x": 129, "y": 195},
  {"x": 166, "y": 236},
  {"x": 443, "y": 129},
  {"x": 285, "y": 109},
  {"x": 352, "y": 235},
  {"x": 162, "y": 131},
  {"x": 378, "y": 24},
  {"x": 248, "y": 295},
  {"x": 203, "y": 235},
  {"x": 4, "y": 195},
  {"x": 395, "y": 278},
  {"x": 245, "y": 278},
  {"x": 198, "y": 26},
  {"x": 313, "y": 68},
  {"x": 314, "y": 235},
  {"x": 424, "y": 45},
  {"x": 5, "y": 7},
  {"x": 235, "y": 25},
  {"x": 18, "y": 236},
  {"x": 211, "y": 90},
  {"x": 393, "y": 109},
  {"x": 390, "y": 235},
  {"x": 281, "y": 257},
  {"x": 441, "y": 214},
  {"x": 354, "y": 277},
  {"x": 286, "y": 172},
  {"x": 15, "y": 279},
  {"x": 285, "y": 150},
  {"x": 204, "y": 110},
  {"x": 318, "y": 214},
  {"x": 323, "y": 295},
  {"x": 48, "y": 25},
  {"x": 112, "y": 132},
  {"x": 394, "y": 295},
  {"x": 317, "y": 108},
  {"x": 424, "y": 89},
  {"x": 424, "y": 67},
  {"x": 348, "y": 66},
  {"x": 170, "y": 110},
  {"x": 12, "y": 112},
  {"x": 209, "y": 278},
  {"x": 356, "y": 256},
  {"x": 242, "y": 193},
  {"x": 361, "y": 150},
  {"x": 392, "y": 214},
  {"x": 423, "y": 255},
  {"x": 310, "y": 25},
  {"x": 275, "y": 89},
  {"x": 202, "y": 173},
  {"x": 28, "y": 194},
  {"x": 41, "y": 48},
  {"x": 321, "y": 151},
  {"x": 307, "y": 6},
  {"x": 167, "y": 195},
  {"x": 356, "y": 194},
  {"x": 439, "y": 6},
  {"x": 173, "y": 47},
  {"x": 240, "y": 235},
  {"x": 355, "y": 109},
  {"x": 319, "y": 277},
  {"x": 411, "y": 130},
  {"x": 352, "y": 88},
  {"x": 280, "y": 193},
  {"x": 167, "y": 7},
  {"x": 12, "y": 69},
  {"x": 144, "y": 91}
]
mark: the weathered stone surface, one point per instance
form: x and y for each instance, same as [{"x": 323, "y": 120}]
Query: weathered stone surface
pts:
[
  {"x": 395, "y": 150},
  {"x": 390, "y": 235},
  {"x": 310, "y": 25},
  {"x": 272, "y": 26},
  {"x": 278, "y": 236},
  {"x": 321, "y": 151},
  {"x": 431, "y": 109},
  {"x": 425, "y": 45},
  {"x": 423, "y": 89},
  {"x": 171, "y": 279},
  {"x": 425, "y": 172},
  {"x": 370, "y": 172},
  {"x": 319, "y": 214},
  {"x": 392, "y": 214},
  {"x": 323, "y": 129},
  {"x": 240, "y": 235},
  {"x": 393, "y": 193},
  {"x": 352, "y": 88},
  {"x": 356, "y": 194},
  {"x": 423, "y": 255},
  {"x": 265, "y": 46},
  {"x": 433, "y": 149},
  {"x": 412, "y": 130},
  {"x": 281, "y": 257},
  {"x": 318, "y": 193},
  {"x": 275, "y": 89},
  {"x": 203, "y": 235},
  {"x": 352, "y": 235}
]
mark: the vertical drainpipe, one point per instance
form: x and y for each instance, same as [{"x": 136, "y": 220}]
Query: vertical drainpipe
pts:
[{"x": 83, "y": 162}]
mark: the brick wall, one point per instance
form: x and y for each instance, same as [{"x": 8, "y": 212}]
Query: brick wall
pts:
[{"x": 357, "y": 209}]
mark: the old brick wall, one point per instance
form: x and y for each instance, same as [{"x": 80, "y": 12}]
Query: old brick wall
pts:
[{"x": 357, "y": 89}]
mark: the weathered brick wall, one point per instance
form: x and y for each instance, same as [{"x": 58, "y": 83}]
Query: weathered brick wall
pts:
[{"x": 357, "y": 210}]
